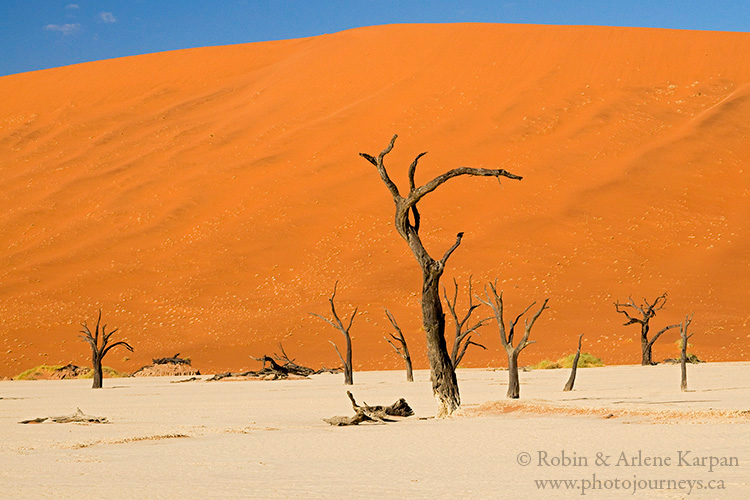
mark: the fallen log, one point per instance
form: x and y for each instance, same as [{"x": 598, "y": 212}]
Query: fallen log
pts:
[
  {"x": 376, "y": 414},
  {"x": 78, "y": 417},
  {"x": 274, "y": 370}
]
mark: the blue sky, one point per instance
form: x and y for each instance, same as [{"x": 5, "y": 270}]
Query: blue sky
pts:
[{"x": 38, "y": 34}]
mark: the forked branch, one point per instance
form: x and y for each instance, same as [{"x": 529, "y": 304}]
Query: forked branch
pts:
[
  {"x": 402, "y": 350},
  {"x": 339, "y": 325}
]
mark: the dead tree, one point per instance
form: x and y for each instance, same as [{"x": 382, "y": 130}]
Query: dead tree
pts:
[
  {"x": 403, "y": 350},
  {"x": 100, "y": 346},
  {"x": 290, "y": 365},
  {"x": 574, "y": 368},
  {"x": 462, "y": 339},
  {"x": 646, "y": 311},
  {"x": 376, "y": 414},
  {"x": 337, "y": 324},
  {"x": 683, "y": 350},
  {"x": 407, "y": 222},
  {"x": 495, "y": 301}
]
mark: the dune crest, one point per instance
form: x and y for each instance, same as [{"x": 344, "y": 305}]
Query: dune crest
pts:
[{"x": 207, "y": 199}]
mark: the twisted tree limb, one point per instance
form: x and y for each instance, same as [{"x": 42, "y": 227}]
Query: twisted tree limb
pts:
[{"x": 376, "y": 414}]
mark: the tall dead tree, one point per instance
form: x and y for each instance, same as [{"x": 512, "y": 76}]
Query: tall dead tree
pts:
[
  {"x": 683, "y": 350},
  {"x": 646, "y": 311},
  {"x": 100, "y": 346},
  {"x": 407, "y": 222},
  {"x": 495, "y": 301},
  {"x": 462, "y": 339},
  {"x": 403, "y": 350},
  {"x": 572, "y": 379},
  {"x": 337, "y": 324}
]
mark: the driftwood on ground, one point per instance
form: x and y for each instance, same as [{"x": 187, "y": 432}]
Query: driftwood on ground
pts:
[
  {"x": 276, "y": 371},
  {"x": 377, "y": 414},
  {"x": 78, "y": 417}
]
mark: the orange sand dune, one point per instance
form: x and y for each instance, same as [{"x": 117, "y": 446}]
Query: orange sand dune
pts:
[{"x": 208, "y": 199}]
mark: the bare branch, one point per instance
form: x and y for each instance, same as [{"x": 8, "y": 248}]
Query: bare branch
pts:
[
  {"x": 338, "y": 352},
  {"x": 658, "y": 334},
  {"x": 325, "y": 319},
  {"x": 523, "y": 345},
  {"x": 420, "y": 192},
  {"x": 463, "y": 350},
  {"x": 413, "y": 169},
  {"x": 122, "y": 343},
  {"x": 452, "y": 305},
  {"x": 398, "y": 351},
  {"x": 351, "y": 320},
  {"x": 452, "y": 249},
  {"x": 631, "y": 319},
  {"x": 496, "y": 303},
  {"x": 512, "y": 327},
  {"x": 659, "y": 302},
  {"x": 530, "y": 323},
  {"x": 378, "y": 162}
]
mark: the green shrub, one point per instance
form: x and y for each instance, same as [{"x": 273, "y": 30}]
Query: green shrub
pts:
[
  {"x": 40, "y": 371},
  {"x": 586, "y": 360},
  {"x": 107, "y": 372},
  {"x": 546, "y": 365}
]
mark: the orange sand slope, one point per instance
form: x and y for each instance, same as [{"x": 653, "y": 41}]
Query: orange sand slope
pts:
[{"x": 208, "y": 199}]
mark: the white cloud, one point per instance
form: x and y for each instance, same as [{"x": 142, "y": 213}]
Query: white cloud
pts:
[
  {"x": 72, "y": 6},
  {"x": 107, "y": 17},
  {"x": 65, "y": 29}
]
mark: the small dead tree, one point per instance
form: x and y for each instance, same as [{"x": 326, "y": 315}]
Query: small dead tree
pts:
[
  {"x": 100, "y": 346},
  {"x": 337, "y": 324},
  {"x": 683, "y": 350},
  {"x": 462, "y": 339},
  {"x": 574, "y": 368},
  {"x": 403, "y": 350},
  {"x": 407, "y": 223},
  {"x": 495, "y": 301},
  {"x": 646, "y": 311}
]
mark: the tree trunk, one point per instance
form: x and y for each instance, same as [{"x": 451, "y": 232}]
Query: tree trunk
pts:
[
  {"x": 442, "y": 374},
  {"x": 683, "y": 353},
  {"x": 97, "y": 373},
  {"x": 348, "y": 370},
  {"x": 514, "y": 387},
  {"x": 409, "y": 371},
  {"x": 645, "y": 347},
  {"x": 572, "y": 380},
  {"x": 683, "y": 366}
]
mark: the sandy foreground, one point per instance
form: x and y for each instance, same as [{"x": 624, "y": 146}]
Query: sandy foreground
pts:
[{"x": 266, "y": 439}]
